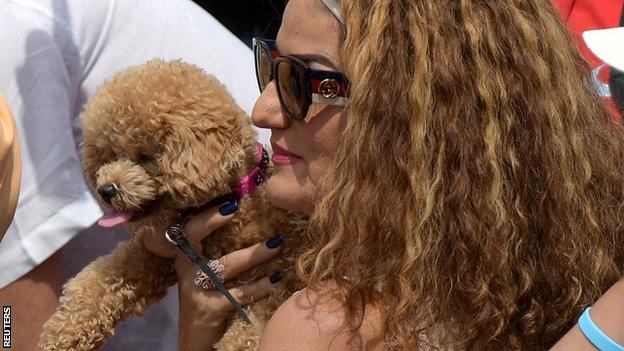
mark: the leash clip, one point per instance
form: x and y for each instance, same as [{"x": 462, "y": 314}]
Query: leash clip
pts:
[{"x": 174, "y": 234}]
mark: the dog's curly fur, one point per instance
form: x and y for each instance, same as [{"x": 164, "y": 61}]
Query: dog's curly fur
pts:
[{"x": 169, "y": 137}]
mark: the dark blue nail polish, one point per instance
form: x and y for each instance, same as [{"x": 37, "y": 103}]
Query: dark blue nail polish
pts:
[
  {"x": 229, "y": 208},
  {"x": 275, "y": 278},
  {"x": 275, "y": 241}
]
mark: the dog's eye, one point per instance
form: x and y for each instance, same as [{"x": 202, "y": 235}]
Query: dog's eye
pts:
[{"x": 145, "y": 158}]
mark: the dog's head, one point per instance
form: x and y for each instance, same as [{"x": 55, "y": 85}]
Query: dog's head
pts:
[{"x": 163, "y": 135}]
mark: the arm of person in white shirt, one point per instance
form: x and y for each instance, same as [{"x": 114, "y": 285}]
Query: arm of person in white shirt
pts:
[{"x": 35, "y": 81}]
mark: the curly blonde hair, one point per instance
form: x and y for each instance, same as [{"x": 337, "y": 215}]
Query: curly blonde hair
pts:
[{"x": 476, "y": 195}]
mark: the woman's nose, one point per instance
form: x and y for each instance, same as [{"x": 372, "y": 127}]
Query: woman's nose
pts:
[{"x": 267, "y": 112}]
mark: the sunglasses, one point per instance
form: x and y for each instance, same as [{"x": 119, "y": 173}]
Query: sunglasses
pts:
[{"x": 298, "y": 85}]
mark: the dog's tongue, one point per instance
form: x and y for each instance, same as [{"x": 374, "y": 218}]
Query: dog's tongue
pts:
[{"x": 115, "y": 218}]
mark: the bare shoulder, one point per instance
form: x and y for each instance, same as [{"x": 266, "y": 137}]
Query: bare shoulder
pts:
[{"x": 311, "y": 320}]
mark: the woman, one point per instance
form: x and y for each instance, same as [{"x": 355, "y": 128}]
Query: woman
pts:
[{"x": 469, "y": 197}]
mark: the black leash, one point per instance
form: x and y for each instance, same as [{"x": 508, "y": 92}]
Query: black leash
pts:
[{"x": 176, "y": 235}]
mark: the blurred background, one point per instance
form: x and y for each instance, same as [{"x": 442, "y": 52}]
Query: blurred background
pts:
[{"x": 247, "y": 18}]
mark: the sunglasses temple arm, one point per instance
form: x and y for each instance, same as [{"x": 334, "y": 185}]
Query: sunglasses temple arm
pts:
[{"x": 336, "y": 101}]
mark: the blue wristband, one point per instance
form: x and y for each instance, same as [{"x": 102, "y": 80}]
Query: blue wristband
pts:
[{"x": 599, "y": 339}]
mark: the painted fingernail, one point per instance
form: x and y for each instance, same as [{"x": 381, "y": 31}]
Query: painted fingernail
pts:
[
  {"x": 229, "y": 208},
  {"x": 275, "y": 278},
  {"x": 275, "y": 241}
]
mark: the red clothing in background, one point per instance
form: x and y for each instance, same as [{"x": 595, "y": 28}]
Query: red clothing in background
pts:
[{"x": 582, "y": 15}]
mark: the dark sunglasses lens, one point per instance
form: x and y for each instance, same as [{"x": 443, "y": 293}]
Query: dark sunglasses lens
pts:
[
  {"x": 263, "y": 67},
  {"x": 291, "y": 89}
]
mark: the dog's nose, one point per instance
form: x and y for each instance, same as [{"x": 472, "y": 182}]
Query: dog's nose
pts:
[{"x": 107, "y": 191}]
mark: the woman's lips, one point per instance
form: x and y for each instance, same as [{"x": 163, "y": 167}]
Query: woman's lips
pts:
[{"x": 282, "y": 157}]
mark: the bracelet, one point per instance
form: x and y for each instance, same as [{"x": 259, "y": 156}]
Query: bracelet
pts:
[{"x": 599, "y": 339}]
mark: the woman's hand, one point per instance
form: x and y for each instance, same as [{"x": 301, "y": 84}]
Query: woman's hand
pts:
[{"x": 203, "y": 313}]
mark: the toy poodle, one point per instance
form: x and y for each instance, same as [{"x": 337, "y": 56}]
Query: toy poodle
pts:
[{"x": 161, "y": 140}]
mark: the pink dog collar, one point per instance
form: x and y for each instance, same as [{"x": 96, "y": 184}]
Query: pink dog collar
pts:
[{"x": 256, "y": 176}]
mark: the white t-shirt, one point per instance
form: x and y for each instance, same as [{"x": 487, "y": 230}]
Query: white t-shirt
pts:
[{"x": 54, "y": 54}]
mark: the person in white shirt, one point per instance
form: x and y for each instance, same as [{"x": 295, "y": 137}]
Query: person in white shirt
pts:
[{"x": 53, "y": 55}]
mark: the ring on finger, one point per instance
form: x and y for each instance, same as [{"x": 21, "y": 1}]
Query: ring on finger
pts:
[{"x": 203, "y": 281}]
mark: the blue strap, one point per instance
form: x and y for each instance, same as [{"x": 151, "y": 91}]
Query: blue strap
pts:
[{"x": 599, "y": 339}]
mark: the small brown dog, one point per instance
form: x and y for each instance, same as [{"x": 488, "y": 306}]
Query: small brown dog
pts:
[{"x": 160, "y": 139}]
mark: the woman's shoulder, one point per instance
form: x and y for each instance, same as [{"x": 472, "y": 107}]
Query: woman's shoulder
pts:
[{"x": 315, "y": 320}]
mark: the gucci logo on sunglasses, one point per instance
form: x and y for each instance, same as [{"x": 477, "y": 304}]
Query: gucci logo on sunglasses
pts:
[
  {"x": 329, "y": 88},
  {"x": 298, "y": 85}
]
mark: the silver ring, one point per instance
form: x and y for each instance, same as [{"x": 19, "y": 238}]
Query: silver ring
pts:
[{"x": 203, "y": 281}]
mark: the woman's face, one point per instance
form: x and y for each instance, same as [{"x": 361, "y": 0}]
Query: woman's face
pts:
[{"x": 310, "y": 32}]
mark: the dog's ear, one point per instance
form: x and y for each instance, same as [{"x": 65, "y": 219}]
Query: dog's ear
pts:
[
  {"x": 94, "y": 156},
  {"x": 198, "y": 166}
]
